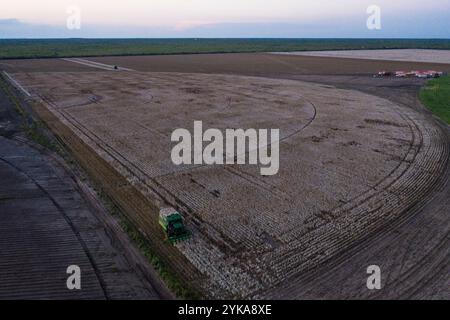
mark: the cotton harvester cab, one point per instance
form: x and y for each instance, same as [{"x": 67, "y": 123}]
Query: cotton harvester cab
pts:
[{"x": 172, "y": 223}]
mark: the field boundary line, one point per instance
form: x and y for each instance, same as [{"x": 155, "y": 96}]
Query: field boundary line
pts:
[
  {"x": 94, "y": 64},
  {"x": 16, "y": 84},
  {"x": 102, "y": 64},
  {"x": 87, "y": 64}
]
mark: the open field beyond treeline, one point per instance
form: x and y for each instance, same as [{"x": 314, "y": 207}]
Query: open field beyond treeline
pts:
[
  {"x": 363, "y": 180},
  {"x": 411, "y": 55}
]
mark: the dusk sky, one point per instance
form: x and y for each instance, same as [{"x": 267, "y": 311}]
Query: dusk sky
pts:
[{"x": 224, "y": 18}]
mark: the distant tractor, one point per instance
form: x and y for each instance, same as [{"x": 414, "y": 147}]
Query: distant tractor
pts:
[
  {"x": 172, "y": 223},
  {"x": 383, "y": 74}
]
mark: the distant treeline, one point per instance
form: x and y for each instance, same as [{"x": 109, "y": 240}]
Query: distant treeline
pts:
[{"x": 52, "y": 48}]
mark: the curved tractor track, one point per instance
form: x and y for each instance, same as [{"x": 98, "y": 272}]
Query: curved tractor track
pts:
[
  {"x": 356, "y": 178},
  {"x": 418, "y": 269},
  {"x": 413, "y": 250}
]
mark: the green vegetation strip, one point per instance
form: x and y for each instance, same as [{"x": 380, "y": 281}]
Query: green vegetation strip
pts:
[
  {"x": 174, "y": 283},
  {"x": 436, "y": 96},
  {"x": 34, "y": 129},
  {"x": 57, "y": 48}
]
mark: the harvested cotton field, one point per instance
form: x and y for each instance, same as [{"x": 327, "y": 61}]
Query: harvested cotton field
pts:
[
  {"x": 351, "y": 163},
  {"x": 412, "y": 55}
]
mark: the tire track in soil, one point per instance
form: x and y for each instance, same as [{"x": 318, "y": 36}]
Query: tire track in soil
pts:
[{"x": 324, "y": 272}]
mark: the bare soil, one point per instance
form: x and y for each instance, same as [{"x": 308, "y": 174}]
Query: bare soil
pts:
[{"x": 260, "y": 64}]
